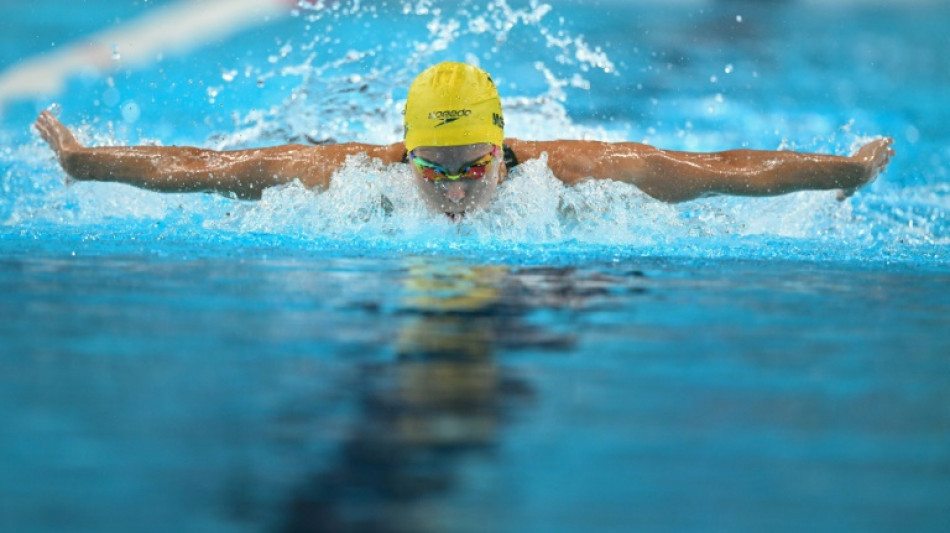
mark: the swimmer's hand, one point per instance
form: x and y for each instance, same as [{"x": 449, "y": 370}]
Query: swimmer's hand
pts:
[
  {"x": 59, "y": 138},
  {"x": 873, "y": 157}
]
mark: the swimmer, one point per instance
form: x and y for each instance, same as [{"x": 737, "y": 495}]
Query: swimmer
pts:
[{"x": 455, "y": 146}]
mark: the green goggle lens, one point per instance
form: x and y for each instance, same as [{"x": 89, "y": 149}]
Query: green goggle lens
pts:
[{"x": 472, "y": 171}]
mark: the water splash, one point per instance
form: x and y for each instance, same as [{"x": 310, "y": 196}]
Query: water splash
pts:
[
  {"x": 348, "y": 83},
  {"x": 351, "y": 86}
]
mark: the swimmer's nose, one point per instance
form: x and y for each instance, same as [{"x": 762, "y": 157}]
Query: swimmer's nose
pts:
[{"x": 455, "y": 192}]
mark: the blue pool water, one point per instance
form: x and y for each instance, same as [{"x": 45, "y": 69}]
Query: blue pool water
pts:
[{"x": 580, "y": 359}]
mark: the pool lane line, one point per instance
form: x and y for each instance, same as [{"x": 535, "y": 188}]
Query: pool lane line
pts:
[{"x": 170, "y": 29}]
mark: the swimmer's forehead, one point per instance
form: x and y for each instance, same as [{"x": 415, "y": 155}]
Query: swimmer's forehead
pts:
[{"x": 453, "y": 155}]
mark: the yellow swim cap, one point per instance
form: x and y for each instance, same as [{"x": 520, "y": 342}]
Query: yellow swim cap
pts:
[{"x": 453, "y": 104}]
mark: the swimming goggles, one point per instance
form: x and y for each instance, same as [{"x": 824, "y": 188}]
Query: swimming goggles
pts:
[{"x": 471, "y": 171}]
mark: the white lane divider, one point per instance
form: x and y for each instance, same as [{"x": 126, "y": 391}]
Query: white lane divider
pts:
[{"x": 170, "y": 29}]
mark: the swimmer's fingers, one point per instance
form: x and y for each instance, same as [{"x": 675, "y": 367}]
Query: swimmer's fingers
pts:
[
  {"x": 44, "y": 125},
  {"x": 59, "y": 138},
  {"x": 844, "y": 194},
  {"x": 875, "y": 156}
]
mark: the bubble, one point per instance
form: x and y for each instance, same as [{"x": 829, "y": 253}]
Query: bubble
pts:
[
  {"x": 130, "y": 111},
  {"x": 739, "y": 19},
  {"x": 728, "y": 69}
]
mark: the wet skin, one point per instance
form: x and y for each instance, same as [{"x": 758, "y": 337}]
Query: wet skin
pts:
[
  {"x": 456, "y": 197},
  {"x": 667, "y": 175}
]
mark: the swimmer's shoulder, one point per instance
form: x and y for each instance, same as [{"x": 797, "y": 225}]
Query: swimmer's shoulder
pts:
[
  {"x": 527, "y": 150},
  {"x": 387, "y": 153},
  {"x": 520, "y": 151},
  {"x": 336, "y": 152}
]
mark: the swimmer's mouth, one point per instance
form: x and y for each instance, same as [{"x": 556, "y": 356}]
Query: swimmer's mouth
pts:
[{"x": 455, "y": 216}]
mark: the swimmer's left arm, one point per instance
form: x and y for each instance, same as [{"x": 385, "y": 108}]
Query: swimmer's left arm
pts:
[{"x": 680, "y": 176}]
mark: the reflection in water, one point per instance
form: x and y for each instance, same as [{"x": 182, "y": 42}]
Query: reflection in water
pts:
[{"x": 443, "y": 397}]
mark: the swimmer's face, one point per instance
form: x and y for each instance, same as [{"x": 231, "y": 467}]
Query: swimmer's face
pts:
[{"x": 455, "y": 197}]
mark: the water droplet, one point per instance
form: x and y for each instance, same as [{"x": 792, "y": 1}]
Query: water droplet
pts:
[
  {"x": 739, "y": 19},
  {"x": 728, "y": 69},
  {"x": 131, "y": 112}
]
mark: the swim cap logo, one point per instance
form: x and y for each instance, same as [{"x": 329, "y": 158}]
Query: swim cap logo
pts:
[
  {"x": 497, "y": 120},
  {"x": 449, "y": 116}
]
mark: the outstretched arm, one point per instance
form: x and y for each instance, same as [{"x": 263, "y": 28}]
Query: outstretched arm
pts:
[
  {"x": 244, "y": 173},
  {"x": 679, "y": 176}
]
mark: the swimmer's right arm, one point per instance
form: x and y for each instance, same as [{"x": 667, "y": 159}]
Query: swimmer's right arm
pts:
[{"x": 243, "y": 173}]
